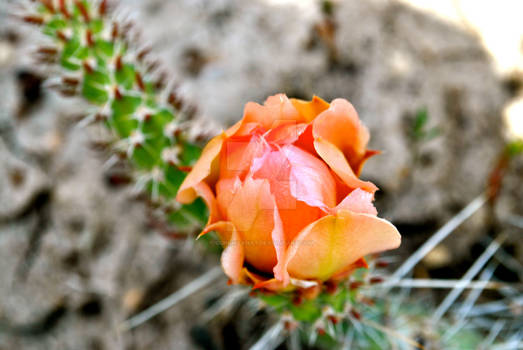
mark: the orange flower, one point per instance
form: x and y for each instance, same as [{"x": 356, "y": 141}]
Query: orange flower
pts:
[{"x": 284, "y": 195}]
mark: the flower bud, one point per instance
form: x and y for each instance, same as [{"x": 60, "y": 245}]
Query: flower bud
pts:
[{"x": 284, "y": 194}]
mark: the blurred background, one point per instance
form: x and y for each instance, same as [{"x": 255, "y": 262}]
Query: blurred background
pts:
[{"x": 439, "y": 84}]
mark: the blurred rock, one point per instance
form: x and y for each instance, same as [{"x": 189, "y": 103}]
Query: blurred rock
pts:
[{"x": 20, "y": 184}]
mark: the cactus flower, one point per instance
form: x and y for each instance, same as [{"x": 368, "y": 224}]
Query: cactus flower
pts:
[{"x": 284, "y": 195}]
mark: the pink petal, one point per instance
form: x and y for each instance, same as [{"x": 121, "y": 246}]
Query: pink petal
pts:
[
  {"x": 301, "y": 184},
  {"x": 358, "y": 201},
  {"x": 313, "y": 181}
]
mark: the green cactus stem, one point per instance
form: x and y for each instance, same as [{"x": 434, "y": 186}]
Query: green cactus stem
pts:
[{"x": 101, "y": 63}]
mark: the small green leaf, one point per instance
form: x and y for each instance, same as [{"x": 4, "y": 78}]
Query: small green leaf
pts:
[
  {"x": 515, "y": 148},
  {"x": 421, "y": 119}
]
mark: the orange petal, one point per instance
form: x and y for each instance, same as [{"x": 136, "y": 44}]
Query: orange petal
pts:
[
  {"x": 205, "y": 168},
  {"x": 238, "y": 153},
  {"x": 273, "y": 285},
  {"x": 300, "y": 182},
  {"x": 338, "y": 163},
  {"x": 285, "y": 133},
  {"x": 252, "y": 277},
  {"x": 251, "y": 209},
  {"x": 233, "y": 129},
  {"x": 306, "y": 140},
  {"x": 341, "y": 126},
  {"x": 331, "y": 244},
  {"x": 203, "y": 190},
  {"x": 358, "y": 201},
  {"x": 276, "y": 110},
  {"x": 261, "y": 282},
  {"x": 280, "y": 245},
  {"x": 226, "y": 190},
  {"x": 310, "y": 109},
  {"x": 233, "y": 256}
]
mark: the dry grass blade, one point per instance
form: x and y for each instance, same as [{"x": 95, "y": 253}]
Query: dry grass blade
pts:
[
  {"x": 392, "y": 333},
  {"x": 465, "y": 308},
  {"x": 496, "y": 306},
  {"x": 467, "y": 278},
  {"x": 226, "y": 302},
  {"x": 439, "y": 235},
  {"x": 494, "y": 332},
  {"x": 294, "y": 342},
  {"x": 516, "y": 221},
  {"x": 271, "y": 339},
  {"x": 510, "y": 345},
  {"x": 165, "y": 304},
  {"x": 509, "y": 262},
  {"x": 446, "y": 284}
]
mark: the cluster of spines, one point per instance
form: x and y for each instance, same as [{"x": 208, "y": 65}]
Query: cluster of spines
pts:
[
  {"x": 103, "y": 64},
  {"x": 334, "y": 307}
]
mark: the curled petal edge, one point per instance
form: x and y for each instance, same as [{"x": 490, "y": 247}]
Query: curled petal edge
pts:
[
  {"x": 310, "y": 109},
  {"x": 339, "y": 165},
  {"x": 358, "y": 201},
  {"x": 204, "y": 168},
  {"x": 233, "y": 256}
]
